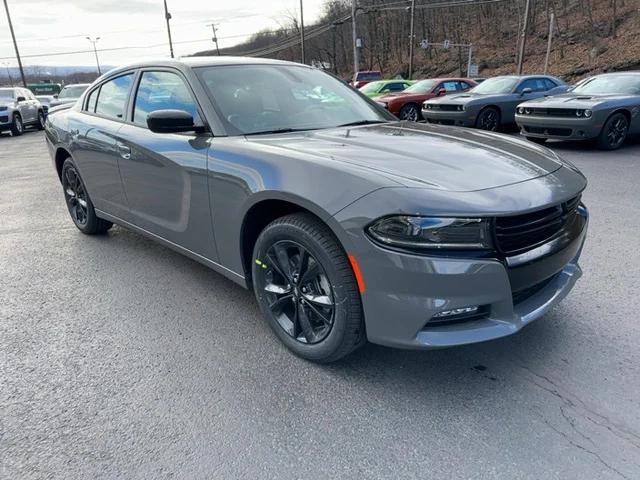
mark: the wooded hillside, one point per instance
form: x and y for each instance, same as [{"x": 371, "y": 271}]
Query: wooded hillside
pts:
[{"x": 591, "y": 36}]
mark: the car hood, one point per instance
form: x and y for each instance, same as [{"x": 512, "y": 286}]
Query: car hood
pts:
[
  {"x": 62, "y": 101},
  {"x": 420, "y": 155},
  {"x": 569, "y": 100},
  {"x": 470, "y": 98}
]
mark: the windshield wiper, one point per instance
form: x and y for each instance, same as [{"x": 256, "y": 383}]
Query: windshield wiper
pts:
[
  {"x": 362, "y": 122},
  {"x": 279, "y": 130}
]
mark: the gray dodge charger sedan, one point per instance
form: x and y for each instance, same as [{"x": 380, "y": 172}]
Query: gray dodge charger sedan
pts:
[
  {"x": 347, "y": 224},
  {"x": 605, "y": 107},
  {"x": 492, "y": 104}
]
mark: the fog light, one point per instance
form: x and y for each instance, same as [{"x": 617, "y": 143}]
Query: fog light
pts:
[{"x": 457, "y": 311}]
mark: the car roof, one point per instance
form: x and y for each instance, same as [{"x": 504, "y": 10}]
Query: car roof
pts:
[
  {"x": 202, "y": 61},
  {"x": 76, "y": 85}
]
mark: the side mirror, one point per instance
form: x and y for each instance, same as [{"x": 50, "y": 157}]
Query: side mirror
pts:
[
  {"x": 525, "y": 91},
  {"x": 440, "y": 92},
  {"x": 21, "y": 99},
  {"x": 171, "y": 121},
  {"x": 55, "y": 96}
]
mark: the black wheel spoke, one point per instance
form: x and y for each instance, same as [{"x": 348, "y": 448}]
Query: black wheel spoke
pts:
[
  {"x": 303, "y": 263},
  {"x": 311, "y": 272},
  {"x": 305, "y": 324},
  {"x": 325, "y": 319},
  {"x": 282, "y": 259}
]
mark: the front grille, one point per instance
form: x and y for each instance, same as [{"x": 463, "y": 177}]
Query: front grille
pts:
[
  {"x": 519, "y": 233},
  {"x": 559, "y": 132},
  {"x": 553, "y": 112},
  {"x": 445, "y": 107},
  {"x": 521, "y": 295}
]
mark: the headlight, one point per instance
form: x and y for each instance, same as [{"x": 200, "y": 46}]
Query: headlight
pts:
[
  {"x": 588, "y": 113},
  {"x": 527, "y": 111},
  {"x": 460, "y": 108},
  {"x": 382, "y": 104},
  {"x": 432, "y": 232},
  {"x": 520, "y": 110},
  {"x": 579, "y": 113}
]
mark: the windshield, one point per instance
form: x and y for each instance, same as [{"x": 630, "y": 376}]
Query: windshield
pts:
[
  {"x": 254, "y": 99},
  {"x": 372, "y": 87},
  {"x": 72, "y": 91},
  {"x": 496, "y": 85},
  {"x": 6, "y": 95},
  {"x": 608, "y": 84},
  {"x": 423, "y": 86}
]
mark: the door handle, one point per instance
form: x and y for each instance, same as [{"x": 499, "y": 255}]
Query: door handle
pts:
[{"x": 124, "y": 151}]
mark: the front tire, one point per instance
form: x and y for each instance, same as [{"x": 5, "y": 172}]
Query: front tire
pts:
[
  {"x": 488, "y": 119},
  {"x": 306, "y": 288},
  {"x": 78, "y": 202},
  {"x": 614, "y": 132},
  {"x": 410, "y": 112},
  {"x": 17, "y": 127}
]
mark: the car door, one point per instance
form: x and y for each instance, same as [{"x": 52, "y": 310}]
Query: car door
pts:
[
  {"x": 165, "y": 174},
  {"x": 93, "y": 139},
  {"x": 26, "y": 107}
]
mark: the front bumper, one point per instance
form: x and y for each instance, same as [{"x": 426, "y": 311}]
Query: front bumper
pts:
[
  {"x": 404, "y": 292},
  {"x": 446, "y": 117},
  {"x": 560, "y": 128}
]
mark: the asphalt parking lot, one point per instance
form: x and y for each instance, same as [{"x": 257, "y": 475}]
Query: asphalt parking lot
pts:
[{"x": 123, "y": 359}]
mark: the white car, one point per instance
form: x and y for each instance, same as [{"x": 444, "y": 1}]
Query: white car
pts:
[{"x": 18, "y": 109}]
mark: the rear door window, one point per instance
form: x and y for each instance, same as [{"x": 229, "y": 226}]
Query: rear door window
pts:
[{"x": 113, "y": 95}]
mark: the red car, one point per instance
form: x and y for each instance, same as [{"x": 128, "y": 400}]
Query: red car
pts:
[
  {"x": 406, "y": 105},
  {"x": 363, "y": 77}
]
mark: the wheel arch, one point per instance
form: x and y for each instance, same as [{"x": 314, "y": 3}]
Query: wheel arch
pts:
[
  {"x": 267, "y": 207},
  {"x": 60, "y": 156}
]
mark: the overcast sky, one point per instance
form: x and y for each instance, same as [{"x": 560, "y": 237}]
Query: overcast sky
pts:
[{"x": 53, "y": 26}]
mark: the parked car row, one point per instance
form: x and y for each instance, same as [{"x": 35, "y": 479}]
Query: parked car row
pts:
[
  {"x": 603, "y": 107},
  {"x": 20, "y": 108}
]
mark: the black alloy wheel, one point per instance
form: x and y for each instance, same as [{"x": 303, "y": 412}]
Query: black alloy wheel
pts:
[
  {"x": 306, "y": 288},
  {"x": 79, "y": 203},
  {"x": 299, "y": 294},
  {"x": 614, "y": 132},
  {"x": 75, "y": 195},
  {"x": 488, "y": 119}
]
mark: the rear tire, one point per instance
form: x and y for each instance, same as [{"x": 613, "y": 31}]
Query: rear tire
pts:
[
  {"x": 488, "y": 119},
  {"x": 410, "y": 112},
  {"x": 17, "y": 127},
  {"x": 614, "y": 132},
  {"x": 78, "y": 202},
  {"x": 41, "y": 120},
  {"x": 306, "y": 288}
]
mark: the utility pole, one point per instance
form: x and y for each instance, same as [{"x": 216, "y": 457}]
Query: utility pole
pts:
[
  {"x": 546, "y": 59},
  {"x": 167, "y": 17},
  {"x": 95, "y": 52},
  {"x": 354, "y": 36},
  {"x": 6, "y": 64},
  {"x": 302, "y": 33},
  {"x": 523, "y": 43},
  {"x": 15, "y": 44},
  {"x": 411, "y": 35},
  {"x": 215, "y": 36}
]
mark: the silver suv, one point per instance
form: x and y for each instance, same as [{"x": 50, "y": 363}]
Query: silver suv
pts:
[{"x": 19, "y": 108}]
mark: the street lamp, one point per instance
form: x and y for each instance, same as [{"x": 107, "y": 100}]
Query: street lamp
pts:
[{"x": 95, "y": 51}]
